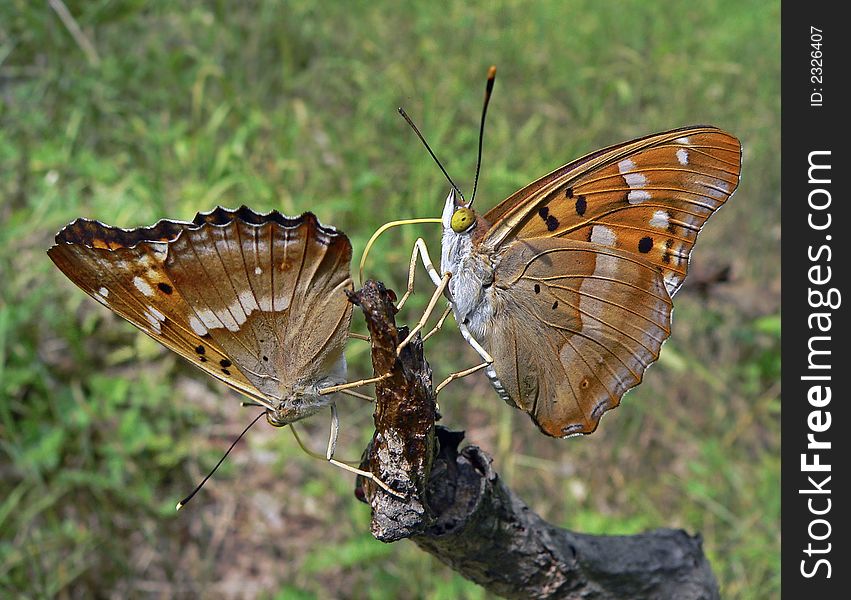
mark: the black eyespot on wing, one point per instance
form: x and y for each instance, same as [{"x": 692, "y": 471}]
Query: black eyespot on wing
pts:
[
  {"x": 226, "y": 372},
  {"x": 568, "y": 192},
  {"x": 165, "y": 288},
  {"x": 225, "y": 363},
  {"x": 200, "y": 350},
  {"x": 555, "y": 305},
  {"x": 645, "y": 244},
  {"x": 581, "y": 205},
  {"x": 552, "y": 223},
  {"x": 537, "y": 289}
]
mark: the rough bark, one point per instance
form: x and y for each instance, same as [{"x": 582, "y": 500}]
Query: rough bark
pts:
[{"x": 453, "y": 504}]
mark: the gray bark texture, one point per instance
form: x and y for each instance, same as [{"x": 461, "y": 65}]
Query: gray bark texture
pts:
[{"x": 454, "y": 505}]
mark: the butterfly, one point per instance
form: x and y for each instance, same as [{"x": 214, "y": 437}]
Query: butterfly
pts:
[
  {"x": 565, "y": 287},
  {"x": 256, "y": 300}
]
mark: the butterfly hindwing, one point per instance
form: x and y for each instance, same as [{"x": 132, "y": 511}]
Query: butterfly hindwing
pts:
[
  {"x": 649, "y": 197},
  {"x": 253, "y": 285},
  {"x": 575, "y": 328}
]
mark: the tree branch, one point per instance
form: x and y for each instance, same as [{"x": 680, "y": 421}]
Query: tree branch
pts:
[{"x": 457, "y": 508}]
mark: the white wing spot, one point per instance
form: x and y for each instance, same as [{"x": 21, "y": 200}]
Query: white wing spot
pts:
[
  {"x": 682, "y": 156},
  {"x": 682, "y": 140},
  {"x": 155, "y": 318},
  {"x": 103, "y": 292},
  {"x": 258, "y": 271},
  {"x": 638, "y": 196},
  {"x": 625, "y": 166},
  {"x": 248, "y": 301},
  {"x": 603, "y": 235},
  {"x": 660, "y": 219},
  {"x": 635, "y": 180},
  {"x": 197, "y": 326},
  {"x": 209, "y": 319},
  {"x": 143, "y": 286}
]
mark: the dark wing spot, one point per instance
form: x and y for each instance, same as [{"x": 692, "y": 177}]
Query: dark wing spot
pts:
[
  {"x": 203, "y": 359},
  {"x": 555, "y": 305},
  {"x": 552, "y": 223},
  {"x": 165, "y": 288},
  {"x": 206, "y": 336},
  {"x": 581, "y": 205},
  {"x": 537, "y": 289},
  {"x": 200, "y": 350},
  {"x": 544, "y": 212},
  {"x": 568, "y": 192},
  {"x": 225, "y": 363},
  {"x": 645, "y": 244},
  {"x": 584, "y": 383},
  {"x": 226, "y": 372},
  {"x": 265, "y": 358}
]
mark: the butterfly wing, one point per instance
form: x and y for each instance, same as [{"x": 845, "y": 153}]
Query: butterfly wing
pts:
[
  {"x": 574, "y": 327},
  {"x": 650, "y": 197},
  {"x": 146, "y": 275},
  {"x": 270, "y": 291}
]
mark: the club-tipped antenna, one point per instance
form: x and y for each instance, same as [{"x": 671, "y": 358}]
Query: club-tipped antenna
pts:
[
  {"x": 488, "y": 92},
  {"x": 197, "y": 489},
  {"x": 427, "y": 147}
]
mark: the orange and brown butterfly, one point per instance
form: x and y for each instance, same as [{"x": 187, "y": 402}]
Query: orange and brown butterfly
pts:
[
  {"x": 567, "y": 284},
  {"x": 256, "y": 300}
]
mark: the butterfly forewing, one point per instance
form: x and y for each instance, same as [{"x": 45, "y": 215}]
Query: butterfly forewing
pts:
[
  {"x": 649, "y": 197},
  {"x": 223, "y": 291},
  {"x": 122, "y": 271}
]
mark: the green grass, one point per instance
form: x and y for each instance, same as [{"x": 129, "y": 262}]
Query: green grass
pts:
[{"x": 178, "y": 107}]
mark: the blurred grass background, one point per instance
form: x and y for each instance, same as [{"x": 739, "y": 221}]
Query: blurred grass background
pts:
[{"x": 130, "y": 111}]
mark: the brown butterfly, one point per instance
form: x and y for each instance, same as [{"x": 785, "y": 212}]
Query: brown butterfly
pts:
[
  {"x": 256, "y": 300},
  {"x": 565, "y": 287}
]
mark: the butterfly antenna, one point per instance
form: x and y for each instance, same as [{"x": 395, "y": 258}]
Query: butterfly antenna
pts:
[
  {"x": 488, "y": 92},
  {"x": 425, "y": 143},
  {"x": 197, "y": 489}
]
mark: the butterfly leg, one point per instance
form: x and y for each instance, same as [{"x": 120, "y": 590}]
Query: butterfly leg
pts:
[
  {"x": 465, "y": 333},
  {"x": 332, "y": 447},
  {"x": 437, "y": 327},
  {"x": 358, "y": 395},
  {"x": 438, "y": 292},
  {"x": 421, "y": 249},
  {"x": 352, "y": 384},
  {"x": 458, "y": 375}
]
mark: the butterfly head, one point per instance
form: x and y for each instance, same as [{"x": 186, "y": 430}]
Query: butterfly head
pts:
[
  {"x": 457, "y": 216},
  {"x": 296, "y": 406}
]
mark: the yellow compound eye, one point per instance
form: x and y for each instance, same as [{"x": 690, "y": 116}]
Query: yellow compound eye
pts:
[{"x": 462, "y": 219}]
